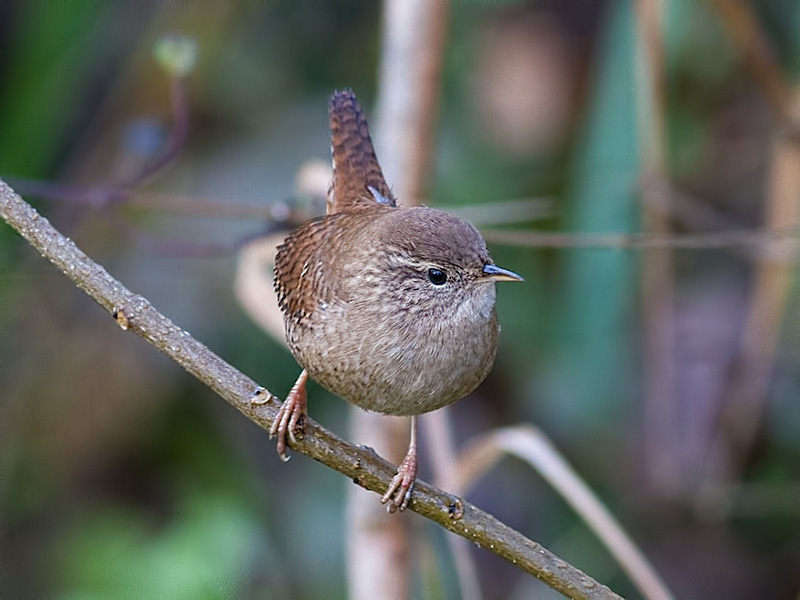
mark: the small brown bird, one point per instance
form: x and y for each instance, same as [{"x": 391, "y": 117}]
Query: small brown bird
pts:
[{"x": 390, "y": 308}]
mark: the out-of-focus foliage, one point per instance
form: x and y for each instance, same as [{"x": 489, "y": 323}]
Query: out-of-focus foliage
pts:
[{"x": 121, "y": 477}]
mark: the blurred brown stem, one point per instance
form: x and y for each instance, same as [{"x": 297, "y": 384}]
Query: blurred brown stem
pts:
[
  {"x": 177, "y": 138},
  {"x": 745, "y": 32},
  {"x": 747, "y": 390},
  {"x": 134, "y": 313},
  {"x": 413, "y": 36},
  {"x": 656, "y": 271}
]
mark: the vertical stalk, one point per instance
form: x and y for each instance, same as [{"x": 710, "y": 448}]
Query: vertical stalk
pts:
[
  {"x": 414, "y": 32},
  {"x": 747, "y": 391},
  {"x": 656, "y": 273}
]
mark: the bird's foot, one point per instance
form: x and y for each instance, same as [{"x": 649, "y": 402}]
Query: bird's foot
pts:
[
  {"x": 290, "y": 418},
  {"x": 399, "y": 493}
]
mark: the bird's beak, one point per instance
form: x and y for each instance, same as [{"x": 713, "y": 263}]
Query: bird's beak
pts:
[{"x": 495, "y": 273}]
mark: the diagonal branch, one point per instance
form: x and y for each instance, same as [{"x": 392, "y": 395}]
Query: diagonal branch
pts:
[{"x": 134, "y": 313}]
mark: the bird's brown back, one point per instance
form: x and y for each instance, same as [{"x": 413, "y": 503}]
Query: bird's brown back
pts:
[
  {"x": 305, "y": 264},
  {"x": 315, "y": 260}
]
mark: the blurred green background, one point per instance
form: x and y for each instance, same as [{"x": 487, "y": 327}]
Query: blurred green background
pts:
[{"x": 122, "y": 477}]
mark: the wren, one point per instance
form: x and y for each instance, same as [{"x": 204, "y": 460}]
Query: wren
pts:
[{"x": 389, "y": 308}]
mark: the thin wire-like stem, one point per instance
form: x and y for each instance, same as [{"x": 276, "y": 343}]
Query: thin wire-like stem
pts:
[
  {"x": 492, "y": 212},
  {"x": 639, "y": 241}
]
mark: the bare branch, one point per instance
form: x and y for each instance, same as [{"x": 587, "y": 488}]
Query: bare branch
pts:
[{"x": 134, "y": 313}]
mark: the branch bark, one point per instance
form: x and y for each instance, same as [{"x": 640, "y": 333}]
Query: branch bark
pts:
[{"x": 135, "y": 313}]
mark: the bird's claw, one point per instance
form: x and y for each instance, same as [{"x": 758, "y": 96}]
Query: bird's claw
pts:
[
  {"x": 290, "y": 418},
  {"x": 398, "y": 495}
]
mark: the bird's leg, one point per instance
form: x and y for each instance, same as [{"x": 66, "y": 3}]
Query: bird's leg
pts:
[
  {"x": 290, "y": 416},
  {"x": 399, "y": 493}
]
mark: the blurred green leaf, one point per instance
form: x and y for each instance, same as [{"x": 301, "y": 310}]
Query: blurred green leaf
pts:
[
  {"x": 592, "y": 370},
  {"x": 208, "y": 550},
  {"x": 50, "y": 54}
]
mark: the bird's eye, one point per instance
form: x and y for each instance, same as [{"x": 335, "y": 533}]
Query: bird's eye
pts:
[{"x": 437, "y": 276}]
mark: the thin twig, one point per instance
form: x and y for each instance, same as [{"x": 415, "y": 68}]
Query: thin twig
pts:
[
  {"x": 99, "y": 196},
  {"x": 135, "y": 313},
  {"x": 180, "y": 114},
  {"x": 492, "y": 212},
  {"x": 639, "y": 241},
  {"x": 499, "y": 212}
]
